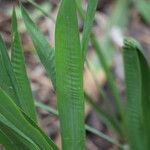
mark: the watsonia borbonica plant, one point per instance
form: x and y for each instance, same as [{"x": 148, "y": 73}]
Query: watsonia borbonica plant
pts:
[{"x": 64, "y": 65}]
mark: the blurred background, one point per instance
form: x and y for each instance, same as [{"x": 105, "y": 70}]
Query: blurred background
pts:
[{"x": 114, "y": 20}]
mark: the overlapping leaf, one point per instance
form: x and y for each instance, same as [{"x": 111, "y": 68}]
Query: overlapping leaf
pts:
[
  {"x": 27, "y": 132},
  {"x": 9, "y": 82},
  {"x": 101, "y": 55},
  {"x": 137, "y": 73},
  {"x": 44, "y": 51},
  {"x": 15, "y": 124},
  {"x": 6, "y": 78},
  {"x": 18, "y": 64}
]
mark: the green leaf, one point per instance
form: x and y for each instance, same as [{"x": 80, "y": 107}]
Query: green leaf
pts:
[
  {"x": 137, "y": 77},
  {"x": 44, "y": 50},
  {"x": 9, "y": 84},
  {"x": 69, "y": 77},
  {"x": 6, "y": 75},
  {"x": 18, "y": 64},
  {"x": 144, "y": 8},
  {"x": 92, "y": 4},
  {"x": 11, "y": 117},
  {"x": 40, "y": 130},
  {"x": 104, "y": 63},
  {"x": 18, "y": 140},
  {"x": 79, "y": 7},
  {"x": 145, "y": 77},
  {"x": 8, "y": 79}
]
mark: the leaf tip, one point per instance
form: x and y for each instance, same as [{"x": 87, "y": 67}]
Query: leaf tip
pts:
[{"x": 130, "y": 43}]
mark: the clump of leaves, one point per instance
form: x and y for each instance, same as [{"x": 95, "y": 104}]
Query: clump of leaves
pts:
[
  {"x": 64, "y": 65},
  {"x": 65, "y": 68}
]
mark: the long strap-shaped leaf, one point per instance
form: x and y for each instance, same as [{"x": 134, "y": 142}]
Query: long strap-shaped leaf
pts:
[
  {"x": 85, "y": 39},
  {"x": 18, "y": 139},
  {"x": 145, "y": 75},
  {"x": 137, "y": 77},
  {"x": 69, "y": 80},
  {"x": 12, "y": 118},
  {"x": 9, "y": 84},
  {"x": 18, "y": 64},
  {"x": 11, "y": 140},
  {"x": 104, "y": 63},
  {"x": 45, "y": 52},
  {"x": 8, "y": 80},
  {"x": 92, "y": 4},
  {"x": 49, "y": 141}
]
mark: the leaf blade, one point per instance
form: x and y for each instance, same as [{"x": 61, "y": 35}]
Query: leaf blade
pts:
[
  {"x": 137, "y": 83},
  {"x": 6, "y": 81},
  {"x": 11, "y": 116},
  {"x": 92, "y": 4},
  {"x": 44, "y": 51},
  {"x": 18, "y": 64},
  {"x": 69, "y": 80}
]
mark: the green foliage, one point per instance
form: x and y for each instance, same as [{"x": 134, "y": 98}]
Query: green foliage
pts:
[
  {"x": 13, "y": 119},
  {"x": 64, "y": 66},
  {"x": 17, "y": 129}
]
